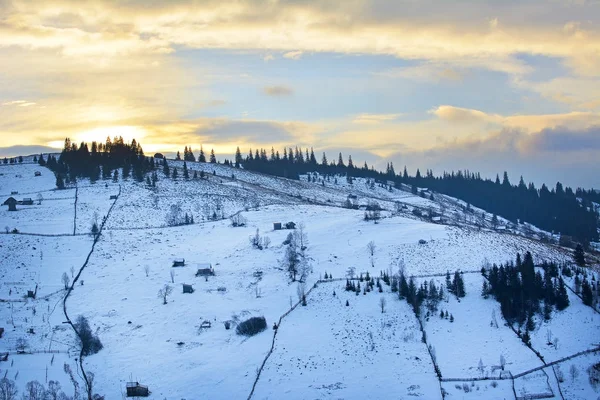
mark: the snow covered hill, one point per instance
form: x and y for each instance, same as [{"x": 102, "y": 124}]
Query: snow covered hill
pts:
[{"x": 322, "y": 350}]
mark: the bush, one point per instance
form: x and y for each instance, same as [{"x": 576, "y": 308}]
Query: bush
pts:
[
  {"x": 90, "y": 344},
  {"x": 252, "y": 326}
]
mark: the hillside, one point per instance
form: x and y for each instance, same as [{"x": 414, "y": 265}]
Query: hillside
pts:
[{"x": 322, "y": 350}]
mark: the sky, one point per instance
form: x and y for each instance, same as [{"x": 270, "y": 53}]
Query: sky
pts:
[{"x": 486, "y": 85}]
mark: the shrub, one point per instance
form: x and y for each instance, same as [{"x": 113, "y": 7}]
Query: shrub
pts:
[
  {"x": 252, "y": 326},
  {"x": 90, "y": 344}
]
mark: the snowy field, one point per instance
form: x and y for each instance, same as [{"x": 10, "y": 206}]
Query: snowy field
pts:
[
  {"x": 477, "y": 333},
  {"x": 328, "y": 350},
  {"x": 323, "y": 350}
]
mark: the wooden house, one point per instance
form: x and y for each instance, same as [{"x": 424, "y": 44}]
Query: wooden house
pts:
[
  {"x": 205, "y": 269},
  {"x": 188, "y": 288},
  {"x": 290, "y": 225},
  {"x": 11, "y": 202},
  {"x": 134, "y": 389},
  {"x": 113, "y": 197},
  {"x": 27, "y": 201},
  {"x": 179, "y": 262},
  {"x": 37, "y": 173},
  {"x": 277, "y": 226}
]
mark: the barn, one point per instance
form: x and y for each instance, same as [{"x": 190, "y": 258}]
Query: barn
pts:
[
  {"x": 276, "y": 226},
  {"x": 179, "y": 262},
  {"x": 205, "y": 269},
  {"x": 11, "y": 202},
  {"x": 134, "y": 389}
]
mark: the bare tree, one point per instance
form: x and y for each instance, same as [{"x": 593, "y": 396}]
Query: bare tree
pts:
[
  {"x": 301, "y": 237},
  {"x": 480, "y": 366},
  {"x": 172, "y": 275},
  {"x": 371, "y": 249},
  {"x": 8, "y": 389},
  {"x": 147, "y": 270},
  {"x": 574, "y": 372},
  {"x": 164, "y": 292},
  {"x": 266, "y": 242},
  {"x": 256, "y": 241},
  {"x": 301, "y": 291},
  {"x": 54, "y": 392},
  {"x": 174, "y": 217},
  {"x": 382, "y": 303},
  {"x": 350, "y": 272},
  {"x": 34, "y": 391},
  {"x": 65, "y": 280}
]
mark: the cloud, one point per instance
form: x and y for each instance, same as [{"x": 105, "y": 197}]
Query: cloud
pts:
[
  {"x": 374, "y": 118},
  {"x": 563, "y": 139},
  {"x": 268, "y": 57},
  {"x": 278, "y": 90},
  {"x": 293, "y": 55},
  {"x": 462, "y": 115},
  {"x": 19, "y": 103}
]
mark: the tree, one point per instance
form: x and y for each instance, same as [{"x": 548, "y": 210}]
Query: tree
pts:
[
  {"x": 173, "y": 217},
  {"x": 54, "y": 392},
  {"x": 20, "y": 159},
  {"x": 90, "y": 343},
  {"x": 147, "y": 270},
  {"x": 8, "y": 389},
  {"x": 174, "y": 175},
  {"x": 371, "y": 249},
  {"x": 39, "y": 198},
  {"x": 586, "y": 293},
  {"x": 65, "y": 280},
  {"x": 164, "y": 293},
  {"x": 562, "y": 298},
  {"x": 94, "y": 230},
  {"x": 186, "y": 174},
  {"x": 34, "y": 391},
  {"x": 172, "y": 275},
  {"x": 201, "y": 156},
  {"x": 579, "y": 255},
  {"x": 382, "y": 303},
  {"x": 60, "y": 181},
  {"x": 480, "y": 366},
  {"x": 574, "y": 372},
  {"x": 213, "y": 158},
  {"x": 238, "y": 157},
  {"x": 502, "y": 362}
]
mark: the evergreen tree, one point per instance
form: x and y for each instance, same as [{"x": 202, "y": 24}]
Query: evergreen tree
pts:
[
  {"x": 174, "y": 176},
  {"x": 186, "y": 174},
  {"x": 562, "y": 297},
  {"x": 579, "y": 255},
  {"x": 201, "y": 156},
  {"x": 60, "y": 182},
  {"x": 166, "y": 170},
  {"x": 586, "y": 293},
  {"x": 213, "y": 158},
  {"x": 116, "y": 176},
  {"x": 238, "y": 158}
]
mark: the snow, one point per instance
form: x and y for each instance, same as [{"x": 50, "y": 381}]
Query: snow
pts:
[{"x": 323, "y": 350}]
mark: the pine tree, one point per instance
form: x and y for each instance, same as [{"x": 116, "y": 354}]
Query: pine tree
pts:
[
  {"x": 60, "y": 182},
  {"x": 579, "y": 255},
  {"x": 201, "y": 157},
  {"x": 166, "y": 170},
  {"x": 186, "y": 174},
  {"x": 586, "y": 293},
  {"x": 213, "y": 158},
  {"x": 562, "y": 298},
  {"x": 174, "y": 176},
  {"x": 238, "y": 157},
  {"x": 178, "y": 157}
]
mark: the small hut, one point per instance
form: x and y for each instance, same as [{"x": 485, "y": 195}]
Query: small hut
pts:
[
  {"x": 277, "y": 226},
  {"x": 113, "y": 197},
  {"x": 205, "y": 324},
  {"x": 188, "y": 288},
  {"x": 290, "y": 225},
  {"x": 37, "y": 173},
  {"x": 11, "y": 202},
  {"x": 27, "y": 201},
  {"x": 179, "y": 262},
  {"x": 205, "y": 270},
  {"x": 134, "y": 389}
]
